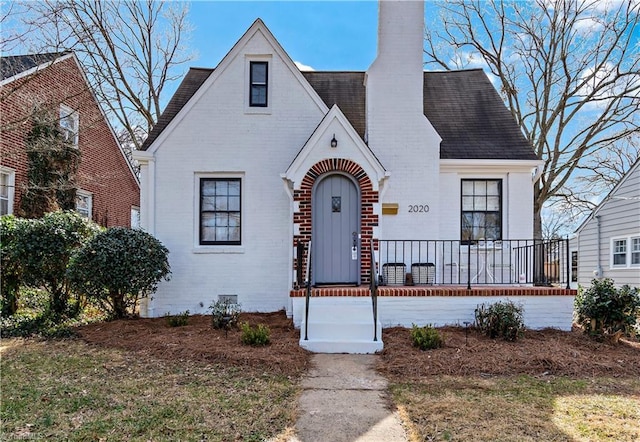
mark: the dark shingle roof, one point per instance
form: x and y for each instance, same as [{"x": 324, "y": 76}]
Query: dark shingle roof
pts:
[
  {"x": 463, "y": 106},
  {"x": 346, "y": 89},
  {"x": 14, "y": 64},
  {"x": 471, "y": 118}
]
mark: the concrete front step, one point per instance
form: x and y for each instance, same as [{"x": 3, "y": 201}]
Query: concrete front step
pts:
[
  {"x": 341, "y": 327},
  {"x": 349, "y": 346}
]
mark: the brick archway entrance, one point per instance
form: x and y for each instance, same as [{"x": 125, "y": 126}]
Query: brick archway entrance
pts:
[{"x": 302, "y": 217}]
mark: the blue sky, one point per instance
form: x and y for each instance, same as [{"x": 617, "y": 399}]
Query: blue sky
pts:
[{"x": 326, "y": 35}]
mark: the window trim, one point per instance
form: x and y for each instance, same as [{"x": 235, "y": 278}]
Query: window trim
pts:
[
  {"x": 200, "y": 242},
  {"x": 628, "y": 253},
  {"x": 89, "y": 196},
  {"x": 253, "y": 84},
  {"x": 500, "y": 211},
  {"x": 66, "y": 111},
  {"x": 11, "y": 187}
]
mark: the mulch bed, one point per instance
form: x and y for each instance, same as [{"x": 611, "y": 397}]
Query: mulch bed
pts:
[
  {"x": 540, "y": 352},
  {"x": 198, "y": 341},
  {"x": 466, "y": 352}
]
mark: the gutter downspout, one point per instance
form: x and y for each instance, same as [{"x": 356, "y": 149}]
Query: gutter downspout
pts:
[{"x": 598, "y": 271}]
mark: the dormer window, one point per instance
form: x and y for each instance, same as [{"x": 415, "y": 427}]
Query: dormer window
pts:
[
  {"x": 258, "y": 79},
  {"x": 69, "y": 125}
]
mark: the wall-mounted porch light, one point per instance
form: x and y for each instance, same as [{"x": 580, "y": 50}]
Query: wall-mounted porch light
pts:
[{"x": 334, "y": 142}]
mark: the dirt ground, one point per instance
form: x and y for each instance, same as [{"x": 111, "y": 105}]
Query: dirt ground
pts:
[{"x": 466, "y": 352}]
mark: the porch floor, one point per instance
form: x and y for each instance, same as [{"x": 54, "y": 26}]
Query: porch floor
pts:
[{"x": 436, "y": 290}]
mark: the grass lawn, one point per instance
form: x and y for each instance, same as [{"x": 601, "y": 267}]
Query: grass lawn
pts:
[
  {"x": 520, "y": 408},
  {"x": 67, "y": 390},
  {"x": 142, "y": 380}
]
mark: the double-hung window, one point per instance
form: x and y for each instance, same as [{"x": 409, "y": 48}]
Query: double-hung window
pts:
[
  {"x": 625, "y": 252},
  {"x": 481, "y": 210},
  {"x": 7, "y": 179},
  {"x": 220, "y": 212},
  {"x": 69, "y": 125},
  {"x": 635, "y": 251},
  {"x": 258, "y": 83},
  {"x": 84, "y": 203}
]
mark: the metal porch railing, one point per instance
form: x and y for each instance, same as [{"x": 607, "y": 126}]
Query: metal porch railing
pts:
[{"x": 454, "y": 262}]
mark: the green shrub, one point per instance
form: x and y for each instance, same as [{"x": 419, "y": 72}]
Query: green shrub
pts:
[
  {"x": 10, "y": 270},
  {"x": 224, "y": 314},
  {"x": 501, "y": 319},
  {"x": 179, "y": 320},
  {"x": 427, "y": 337},
  {"x": 118, "y": 267},
  {"x": 606, "y": 311},
  {"x": 256, "y": 336},
  {"x": 42, "y": 248}
]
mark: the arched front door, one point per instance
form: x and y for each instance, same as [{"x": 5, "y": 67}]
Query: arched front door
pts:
[{"x": 335, "y": 242}]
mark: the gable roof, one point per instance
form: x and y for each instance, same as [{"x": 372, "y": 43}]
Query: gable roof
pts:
[
  {"x": 463, "y": 107},
  {"x": 12, "y": 65},
  {"x": 189, "y": 86},
  {"x": 635, "y": 167}
]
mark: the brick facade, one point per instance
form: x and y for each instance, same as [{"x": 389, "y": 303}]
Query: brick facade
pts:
[
  {"x": 368, "y": 197},
  {"x": 103, "y": 169}
]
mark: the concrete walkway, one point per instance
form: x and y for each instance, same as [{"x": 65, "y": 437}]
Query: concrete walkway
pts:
[{"x": 345, "y": 399}]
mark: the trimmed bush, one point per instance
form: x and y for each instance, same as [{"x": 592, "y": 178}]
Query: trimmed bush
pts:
[
  {"x": 179, "y": 320},
  {"x": 10, "y": 270},
  {"x": 426, "y": 338},
  {"x": 256, "y": 336},
  {"x": 224, "y": 314},
  {"x": 606, "y": 311},
  {"x": 501, "y": 319},
  {"x": 118, "y": 267},
  {"x": 42, "y": 248}
]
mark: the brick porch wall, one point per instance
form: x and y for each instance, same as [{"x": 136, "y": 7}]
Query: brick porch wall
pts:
[{"x": 368, "y": 197}]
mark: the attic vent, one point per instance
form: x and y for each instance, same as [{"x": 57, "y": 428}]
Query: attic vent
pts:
[{"x": 230, "y": 299}]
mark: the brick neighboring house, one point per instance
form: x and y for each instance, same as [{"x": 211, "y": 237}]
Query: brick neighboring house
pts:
[{"x": 108, "y": 189}]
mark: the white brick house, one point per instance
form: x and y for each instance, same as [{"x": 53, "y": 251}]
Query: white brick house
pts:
[{"x": 254, "y": 157}]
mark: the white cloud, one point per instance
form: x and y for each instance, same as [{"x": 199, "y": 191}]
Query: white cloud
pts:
[
  {"x": 586, "y": 26},
  {"x": 303, "y": 67}
]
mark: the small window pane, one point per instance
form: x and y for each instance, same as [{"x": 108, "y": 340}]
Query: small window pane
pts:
[
  {"x": 493, "y": 188},
  {"x": 480, "y": 203},
  {"x": 222, "y": 188},
  {"x": 234, "y": 188},
  {"x": 467, "y": 203},
  {"x": 480, "y": 187},
  {"x": 258, "y": 94},
  {"x": 467, "y": 187},
  {"x": 493, "y": 203},
  {"x": 259, "y": 73},
  {"x": 234, "y": 203},
  {"x": 221, "y": 203}
]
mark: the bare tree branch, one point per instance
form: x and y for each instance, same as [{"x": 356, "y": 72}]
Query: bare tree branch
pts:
[
  {"x": 569, "y": 71},
  {"x": 130, "y": 50}
]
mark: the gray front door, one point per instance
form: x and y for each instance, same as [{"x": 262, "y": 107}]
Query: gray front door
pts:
[{"x": 335, "y": 231}]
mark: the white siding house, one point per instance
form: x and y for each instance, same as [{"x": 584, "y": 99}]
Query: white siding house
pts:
[
  {"x": 255, "y": 158},
  {"x": 607, "y": 243}
]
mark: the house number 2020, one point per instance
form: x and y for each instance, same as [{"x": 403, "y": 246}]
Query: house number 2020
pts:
[{"x": 418, "y": 208}]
